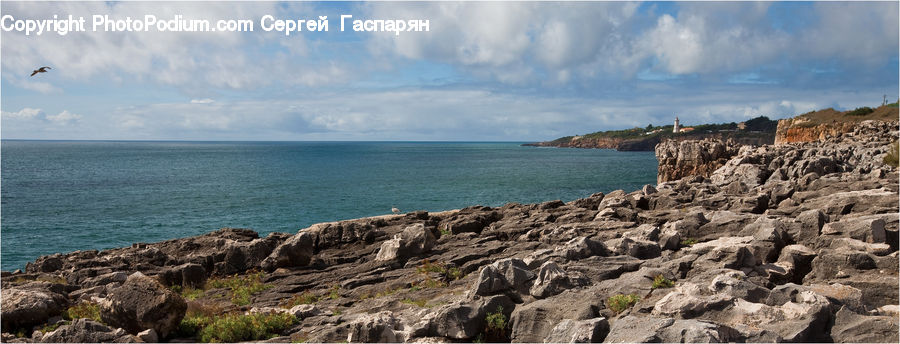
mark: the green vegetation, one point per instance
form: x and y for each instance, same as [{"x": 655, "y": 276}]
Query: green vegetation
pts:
[
  {"x": 758, "y": 124},
  {"x": 448, "y": 274},
  {"x": 188, "y": 293},
  {"x": 688, "y": 242},
  {"x": 88, "y": 310},
  {"x": 621, "y": 302},
  {"x": 304, "y": 298},
  {"x": 240, "y": 287},
  {"x": 892, "y": 157},
  {"x": 334, "y": 292},
  {"x": 862, "y": 111},
  {"x": 495, "y": 326},
  {"x": 661, "y": 281},
  {"x": 418, "y": 302},
  {"x": 52, "y": 327},
  {"x": 445, "y": 231},
  {"x": 231, "y": 328}
]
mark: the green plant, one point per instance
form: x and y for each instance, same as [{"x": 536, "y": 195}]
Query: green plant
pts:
[
  {"x": 445, "y": 231},
  {"x": 231, "y": 328},
  {"x": 621, "y": 302},
  {"x": 88, "y": 310},
  {"x": 495, "y": 325},
  {"x": 334, "y": 292},
  {"x": 304, "y": 298},
  {"x": 52, "y": 327},
  {"x": 688, "y": 242},
  {"x": 892, "y": 157},
  {"x": 240, "y": 287},
  {"x": 862, "y": 111},
  {"x": 661, "y": 281}
]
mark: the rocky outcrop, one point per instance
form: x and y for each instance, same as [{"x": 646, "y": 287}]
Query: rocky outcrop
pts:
[
  {"x": 679, "y": 159},
  {"x": 796, "y": 242}
]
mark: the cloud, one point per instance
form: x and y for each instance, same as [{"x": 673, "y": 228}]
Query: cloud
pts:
[
  {"x": 64, "y": 117},
  {"x": 26, "y": 113},
  {"x": 202, "y": 101}
]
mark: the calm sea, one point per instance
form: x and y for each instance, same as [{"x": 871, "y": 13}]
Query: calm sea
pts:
[{"x": 61, "y": 196}]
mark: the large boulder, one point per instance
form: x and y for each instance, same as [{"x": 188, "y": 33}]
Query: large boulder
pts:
[
  {"x": 850, "y": 327},
  {"x": 376, "y": 328},
  {"x": 296, "y": 251},
  {"x": 510, "y": 274},
  {"x": 143, "y": 303},
  {"x": 25, "y": 307},
  {"x": 413, "y": 241},
  {"x": 552, "y": 280},
  {"x": 533, "y": 322},
  {"x": 88, "y": 331},
  {"x": 632, "y": 329}
]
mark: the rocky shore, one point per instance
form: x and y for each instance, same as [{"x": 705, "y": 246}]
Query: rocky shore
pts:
[{"x": 795, "y": 242}]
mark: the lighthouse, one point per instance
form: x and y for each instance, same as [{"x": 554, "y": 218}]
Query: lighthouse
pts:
[{"x": 677, "y": 127}]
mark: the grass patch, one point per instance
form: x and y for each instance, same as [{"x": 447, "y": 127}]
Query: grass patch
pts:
[
  {"x": 446, "y": 232},
  {"x": 334, "y": 292},
  {"x": 892, "y": 158},
  {"x": 187, "y": 293},
  {"x": 240, "y": 287},
  {"x": 304, "y": 298},
  {"x": 660, "y": 282},
  {"x": 688, "y": 242},
  {"x": 621, "y": 302},
  {"x": 417, "y": 302},
  {"x": 231, "y": 328},
  {"x": 86, "y": 310}
]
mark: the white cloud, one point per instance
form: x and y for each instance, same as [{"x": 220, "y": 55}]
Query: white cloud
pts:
[
  {"x": 25, "y": 113},
  {"x": 64, "y": 117},
  {"x": 202, "y": 101}
]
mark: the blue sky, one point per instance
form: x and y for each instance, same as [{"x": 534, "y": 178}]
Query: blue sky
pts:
[{"x": 485, "y": 71}]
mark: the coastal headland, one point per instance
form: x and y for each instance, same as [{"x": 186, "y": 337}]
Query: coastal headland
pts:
[{"x": 792, "y": 242}]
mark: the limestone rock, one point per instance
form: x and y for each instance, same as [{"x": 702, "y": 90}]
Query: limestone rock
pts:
[
  {"x": 579, "y": 331},
  {"x": 142, "y": 303}
]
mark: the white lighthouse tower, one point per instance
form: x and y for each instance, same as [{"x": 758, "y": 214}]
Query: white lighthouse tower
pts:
[{"x": 677, "y": 127}]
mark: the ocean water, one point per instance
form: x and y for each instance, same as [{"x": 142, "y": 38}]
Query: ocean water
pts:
[{"x": 62, "y": 196}]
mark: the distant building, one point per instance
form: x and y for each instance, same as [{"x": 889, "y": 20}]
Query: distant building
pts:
[
  {"x": 742, "y": 126},
  {"x": 677, "y": 127},
  {"x": 686, "y": 130}
]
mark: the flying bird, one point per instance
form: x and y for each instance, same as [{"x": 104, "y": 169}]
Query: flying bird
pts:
[{"x": 40, "y": 70}]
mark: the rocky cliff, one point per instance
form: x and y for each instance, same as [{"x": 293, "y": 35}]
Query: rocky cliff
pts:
[
  {"x": 801, "y": 130},
  {"x": 796, "y": 242},
  {"x": 679, "y": 159}
]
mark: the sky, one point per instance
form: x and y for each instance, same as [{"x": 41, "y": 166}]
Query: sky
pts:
[{"x": 485, "y": 71}]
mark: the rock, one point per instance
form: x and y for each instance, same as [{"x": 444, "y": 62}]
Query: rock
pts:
[
  {"x": 850, "y": 327},
  {"x": 148, "y": 336},
  {"x": 866, "y": 229},
  {"x": 590, "y": 203},
  {"x": 296, "y": 251},
  {"x": 471, "y": 219},
  {"x": 632, "y": 329},
  {"x": 142, "y": 303},
  {"x": 641, "y": 249},
  {"x": 551, "y": 280},
  {"x": 304, "y": 311},
  {"x": 375, "y": 328},
  {"x": 648, "y": 190},
  {"x": 532, "y": 322},
  {"x": 460, "y": 320},
  {"x": 502, "y": 275},
  {"x": 23, "y": 308},
  {"x": 88, "y": 331},
  {"x": 189, "y": 275},
  {"x": 726, "y": 252},
  {"x": 582, "y": 247},
  {"x": 579, "y": 331},
  {"x": 681, "y": 159},
  {"x": 413, "y": 241}
]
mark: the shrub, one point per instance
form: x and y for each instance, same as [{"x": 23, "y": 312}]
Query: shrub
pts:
[
  {"x": 305, "y": 298},
  {"x": 661, "y": 282},
  {"x": 865, "y": 110},
  {"x": 892, "y": 157},
  {"x": 240, "y": 287},
  {"x": 620, "y": 302},
  {"x": 495, "y": 325},
  {"x": 335, "y": 292},
  {"x": 418, "y": 302},
  {"x": 87, "y": 310},
  {"x": 232, "y": 328}
]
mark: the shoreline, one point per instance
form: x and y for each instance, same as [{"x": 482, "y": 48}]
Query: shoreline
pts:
[{"x": 702, "y": 253}]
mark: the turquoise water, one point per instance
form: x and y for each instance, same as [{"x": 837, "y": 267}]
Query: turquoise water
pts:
[{"x": 61, "y": 196}]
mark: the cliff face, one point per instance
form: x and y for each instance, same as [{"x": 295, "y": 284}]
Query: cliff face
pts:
[
  {"x": 679, "y": 159},
  {"x": 579, "y": 142},
  {"x": 801, "y": 130}
]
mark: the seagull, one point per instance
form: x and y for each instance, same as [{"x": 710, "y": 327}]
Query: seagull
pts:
[
  {"x": 40, "y": 70},
  {"x": 395, "y": 210}
]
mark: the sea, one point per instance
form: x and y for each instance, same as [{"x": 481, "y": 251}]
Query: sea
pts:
[{"x": 63, "y": 196}]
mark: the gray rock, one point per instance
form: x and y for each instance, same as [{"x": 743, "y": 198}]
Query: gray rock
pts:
[
  {"x": 413, "y": 241},
  {"x": 579, "y": 331},
  {"x": 641, "y": 249},
  {"x": 868, "y": 229},
  {"x": 88, "y": 331},
  {"x": 551, "y": 280},
  {"x": 28, "y": 307},
  {"x": 850, "y": 327},
  {"x": 148, "y": 336},
  {"x": 582, "y": 247},
  {"x": 375, "y": 328},
  {"x": 142, "y": 303},
  {"x": 296, "y": 251}
]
